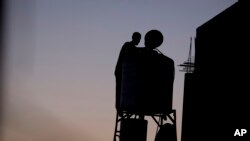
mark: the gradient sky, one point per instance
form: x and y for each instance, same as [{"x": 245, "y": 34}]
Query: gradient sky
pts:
[{"x": 61, "y": 55}]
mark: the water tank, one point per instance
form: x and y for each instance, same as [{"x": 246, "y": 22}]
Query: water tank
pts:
[{"x": 147, "y": 83}]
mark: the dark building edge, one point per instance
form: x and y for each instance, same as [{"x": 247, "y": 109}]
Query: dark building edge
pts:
[{"x": 215, "y": 95}]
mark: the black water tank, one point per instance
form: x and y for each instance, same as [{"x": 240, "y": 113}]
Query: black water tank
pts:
[{"x": 147, "y": 84}]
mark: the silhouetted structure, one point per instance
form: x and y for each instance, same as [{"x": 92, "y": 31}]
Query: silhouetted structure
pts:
[
  {"x": 146, "y": 90},
  {"x": 215, "y": 94},
  {"x": 189, "y": 64}
]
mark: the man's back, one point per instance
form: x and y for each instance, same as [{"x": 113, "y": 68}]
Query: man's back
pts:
[{"x": 127, "y": 49}]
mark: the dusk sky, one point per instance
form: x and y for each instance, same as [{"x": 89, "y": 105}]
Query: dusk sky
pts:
[{"x": 61, "y": 54}]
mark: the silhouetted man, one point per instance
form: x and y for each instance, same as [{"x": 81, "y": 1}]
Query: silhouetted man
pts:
[{"x": 127, "y": 49}]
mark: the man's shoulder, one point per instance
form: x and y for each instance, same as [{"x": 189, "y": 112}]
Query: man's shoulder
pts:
[{"x": 127, "y": 44}]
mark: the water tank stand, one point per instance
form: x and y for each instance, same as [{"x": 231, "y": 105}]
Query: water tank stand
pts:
[{"x": 159, "y": 119}]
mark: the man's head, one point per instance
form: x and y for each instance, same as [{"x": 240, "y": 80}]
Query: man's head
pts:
[
  {"x": 136, "y": 37},
  {"x": 153, "y": 39}
]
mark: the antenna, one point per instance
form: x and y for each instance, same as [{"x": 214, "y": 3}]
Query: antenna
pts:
[{"x": 189, "y": 64}]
